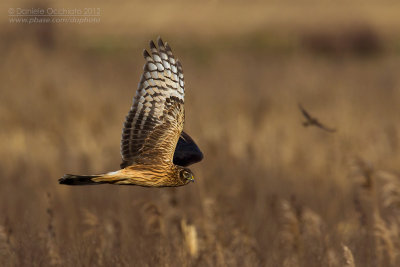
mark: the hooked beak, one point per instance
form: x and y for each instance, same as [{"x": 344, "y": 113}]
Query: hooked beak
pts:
[{"x": 191, "y": 179}]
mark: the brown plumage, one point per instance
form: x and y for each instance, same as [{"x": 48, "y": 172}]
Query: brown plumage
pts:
[
  {"x": 313, "y": 121},
  {"x": 152, "y": 128}
]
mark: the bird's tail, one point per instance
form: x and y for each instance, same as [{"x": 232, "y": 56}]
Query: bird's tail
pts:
[
  {"x": 70, "y": 179},
  {"x": 108, "y": 178}
]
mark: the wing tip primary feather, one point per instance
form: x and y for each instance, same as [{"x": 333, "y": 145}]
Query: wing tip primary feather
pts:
[
  {"x": 152, "y": 45},
  {"x": 160, "y": 41},
  {"x": 179, "y": 65},
  {"x": 168, "y": 49},
  {"x": 145, "y": 54}
]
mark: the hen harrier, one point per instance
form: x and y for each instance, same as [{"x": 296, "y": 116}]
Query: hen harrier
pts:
[
  {"x": 313, "y": 121},
  {"x": 154, "y": 148}
]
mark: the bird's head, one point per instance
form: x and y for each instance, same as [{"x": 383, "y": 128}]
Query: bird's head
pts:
[{"x": 186, "y": 175}]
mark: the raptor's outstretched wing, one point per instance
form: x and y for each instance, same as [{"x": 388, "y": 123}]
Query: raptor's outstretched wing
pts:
[{"x": 155, "y": 120}]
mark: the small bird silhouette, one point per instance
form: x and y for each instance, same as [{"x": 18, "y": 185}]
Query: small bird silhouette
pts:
[
  {"x": 311, "y": 121},
  {"x": 155, "y": 151}
]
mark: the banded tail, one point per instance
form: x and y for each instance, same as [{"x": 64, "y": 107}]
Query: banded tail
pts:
[
  {"x": 70, "y": 179},
  {"x": 116, "y": 177}
]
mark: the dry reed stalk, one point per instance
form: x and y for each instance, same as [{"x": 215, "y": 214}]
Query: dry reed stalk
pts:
[
  {"x": 348, "y": 257},
  {"x": 366, "y": 170},
  {"x": 312, "y": 224},
  {"x": 376, "y": 231},
  {"x": 332, "y": 258},
  {"x": 95, "y": 230},
  {"x": 190, "y": 236},
  {"x": 246, "y": 248},
  {"x": 366, "y": 199},
  {"x": 8, "y": 255},
  {"x": 369, "y": 194},
  {"x": 360, "y": 210},
  {"x": 91, "y": 221},
  {"x": 290, "y": 234},
  {"x": 153, "y": 219},
  {"x": 53, "y": 251},
  {"x": 116, "y": 234},
  {"x": 384, "y": 240},
  {"x": 210, "y": 226},
  {"x": 302, "y": 235},
  {"x": 390, "y": 190},
  {"x": 386, "y": 231},
  {"x": 291, "y": 261},
  {"x": 5, "y": 247},
  {"x": 314, "y": 239}
]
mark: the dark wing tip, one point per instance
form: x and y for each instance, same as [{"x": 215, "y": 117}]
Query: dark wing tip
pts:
[
  {"x": 152, "y": 44},
  {"x": 179, "y": 65},
  {"x": 331, "y": 130},
  {"x": 145, "y": 53},
  {"x": 160, "y": 41},
  {"x": 168, "y": 48},
  {"x": 186, "y": 151},
  {"x": 301, "y": 107},
  {"x": 305, "y": 113}
]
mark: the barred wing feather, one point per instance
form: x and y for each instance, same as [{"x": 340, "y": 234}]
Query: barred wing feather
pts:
[{"x": 155, "y": 120}]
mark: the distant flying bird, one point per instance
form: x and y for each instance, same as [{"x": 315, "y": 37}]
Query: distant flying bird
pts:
[
  {"x": 154, "y": 148},
  {"x": 313, "y": 121}
]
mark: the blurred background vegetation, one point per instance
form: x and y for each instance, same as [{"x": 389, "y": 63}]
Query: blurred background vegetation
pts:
[{"x": 269, "y": 192}]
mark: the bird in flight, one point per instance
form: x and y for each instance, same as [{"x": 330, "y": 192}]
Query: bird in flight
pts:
[
  {"x": 313, "y": 121},
  {"x": 155, "y": 150}
]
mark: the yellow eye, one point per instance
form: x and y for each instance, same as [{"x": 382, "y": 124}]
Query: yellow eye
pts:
[{"x": 187, "y": 175}]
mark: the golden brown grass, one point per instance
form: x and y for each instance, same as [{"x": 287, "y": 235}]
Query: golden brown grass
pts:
[
  {"x": 348, "y": 256},
  {"x": 269, "y": 191}
]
